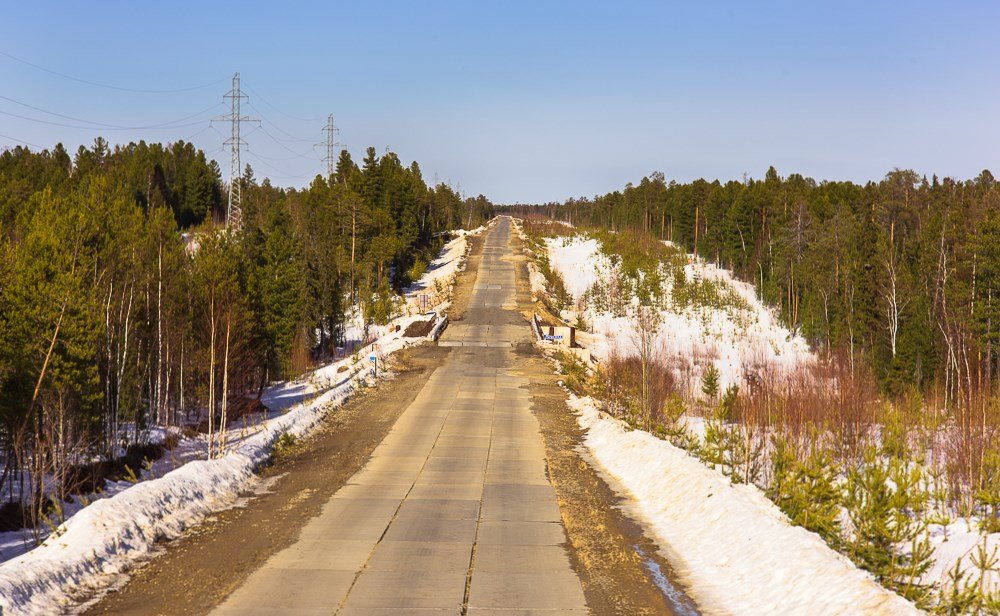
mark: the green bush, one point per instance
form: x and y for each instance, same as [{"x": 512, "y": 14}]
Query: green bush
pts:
[{"x": 284, "y": 445}]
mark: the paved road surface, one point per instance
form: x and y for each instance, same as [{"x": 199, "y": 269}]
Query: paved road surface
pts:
[{"x": 453, "y": 513}]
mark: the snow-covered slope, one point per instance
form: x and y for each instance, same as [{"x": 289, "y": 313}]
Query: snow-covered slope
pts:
[
  {"x": 735, "y": 338},
  {"x": 734, "y": 550}
]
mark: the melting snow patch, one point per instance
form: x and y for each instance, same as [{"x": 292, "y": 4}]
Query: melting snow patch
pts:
[{"x": 733, "y": 549}]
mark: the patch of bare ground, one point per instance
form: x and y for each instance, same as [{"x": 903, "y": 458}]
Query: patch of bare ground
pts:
[
  {"x": 466, "y": 279},
  {"x": 419, "y": 329}
]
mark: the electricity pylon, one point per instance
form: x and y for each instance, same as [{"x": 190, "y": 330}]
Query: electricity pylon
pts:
[
  {"x": 234, "y": 209},
  {"x": 331, "y": 133}
]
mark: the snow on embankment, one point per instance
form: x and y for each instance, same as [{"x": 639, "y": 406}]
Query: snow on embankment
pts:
[
  {"x": 92, "y": 549},
  {"x": 102, "y": 540},
  {"x": 733, "y": 549},
  {"x": 734, "y": 337}
]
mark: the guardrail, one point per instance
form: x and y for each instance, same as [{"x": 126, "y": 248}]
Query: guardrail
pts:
[
  {"x": 536, "y": 327},
  {"x": 442, "y": 322}
]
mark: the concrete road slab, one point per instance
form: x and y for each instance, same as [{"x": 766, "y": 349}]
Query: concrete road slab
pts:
[
  {"x": 431, "y": 529},
  {"x": 474, "y": 611},
  {"x": 356, "y": 508},
  {"x": 446, "y": 491},
  {"x": 408, "y": 590},
  {"x": 520, "y": 533},
  {"x": 459, "y": 451},
  {"x": 283, "y": 589},
  {"x": 495, "y": 558},
  {"x": 389, "y": 611},
  {"x": 421, "y": 556},
  {"x": 536, "y": 590},
  {"x": 365, "y": 492},
  {"x": 522, "y": 477},
  {"x": 333, "y": 554},
  {"x": 446, "y": 509},
  {"x": 434, "y": 477},
  {"x": 455, "y": 464},
  {"x": 369, "y": 477}
]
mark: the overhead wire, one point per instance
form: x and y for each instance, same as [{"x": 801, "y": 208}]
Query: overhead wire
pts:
[
  {"x": 95, "y": 128},
  {"x": 274, "y": 107},
  {"x": 34, "y": 145},
  {"x": 288, "y": 149},
  {"x": 109, "y": 86},
  {"x": 290, "y": 136},
  {"x": 188, "y": 139},
  {"x": 283, "y": 173},
  {"x": 178, "y": 123},
  {"x": 282, "y": 158}
]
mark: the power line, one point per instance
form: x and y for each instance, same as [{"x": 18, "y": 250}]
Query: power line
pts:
[
  {"x": 207, "y": 127},
  {"x": 107, "y": 86},
  {"x": 283, "y": 173},
  {"x": 22, "y": 141},
  {"x": 288, "y": 115},
  {"x": 288, "y": 149},
  {"x": 96, "y": 128},
  {"x": 278, "y": 128},
  {"x": 276, "y": 158},
  {"x": 178, "y": 123}
]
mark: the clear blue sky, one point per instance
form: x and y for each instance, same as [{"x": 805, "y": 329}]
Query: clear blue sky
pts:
[{"x": 531, "y": 101}]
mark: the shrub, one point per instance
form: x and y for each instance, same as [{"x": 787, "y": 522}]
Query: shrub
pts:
[
  {"x": 806, "y": 490},
  {"x": 284, "y": 445},
  {"x": 710, "y": 382}
]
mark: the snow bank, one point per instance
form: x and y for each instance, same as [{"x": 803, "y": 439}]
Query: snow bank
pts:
[
  {"x": 441, "y": 272},
  {"x": 702, "y": 334},
  {"x": 101, "y": 541},
  {"x": 91, "y": 550},
  {"x": 733, "y": 549}
]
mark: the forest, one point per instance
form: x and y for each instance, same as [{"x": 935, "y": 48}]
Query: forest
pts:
[
  {"x": 126, "y": 304},
  {"x": 901, "y": 274}
]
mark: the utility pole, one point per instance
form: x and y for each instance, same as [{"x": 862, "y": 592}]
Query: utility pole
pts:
[
  {"x": 234, "y": 209},
  {"x": 331, "y": 132}
]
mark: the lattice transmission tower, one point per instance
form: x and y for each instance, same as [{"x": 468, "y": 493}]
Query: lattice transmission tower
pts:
[
  {"x": 234, "y": 209},
  {"x": 331, "y": 144}
]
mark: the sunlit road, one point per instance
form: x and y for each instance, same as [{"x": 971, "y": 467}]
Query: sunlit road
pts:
[{"x": 453, "y": 513}]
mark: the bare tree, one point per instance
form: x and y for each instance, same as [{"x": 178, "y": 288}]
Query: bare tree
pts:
[{"x": 647, "y": 321}]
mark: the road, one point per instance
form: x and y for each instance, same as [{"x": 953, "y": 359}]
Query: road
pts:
[
  {"x": 453, "y": 513},
  {"x": 459, "y": 486}
]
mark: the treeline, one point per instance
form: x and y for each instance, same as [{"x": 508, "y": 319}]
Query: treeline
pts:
[
  {"x": 903, "y": 273},
  {"x": 125, "y": 304}
]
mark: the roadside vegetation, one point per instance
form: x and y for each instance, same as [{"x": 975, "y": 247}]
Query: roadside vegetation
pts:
[{"x": 900, "y": 476}]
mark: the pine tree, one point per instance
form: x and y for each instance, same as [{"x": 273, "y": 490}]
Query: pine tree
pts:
[{"x": 710, "y": 382}]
